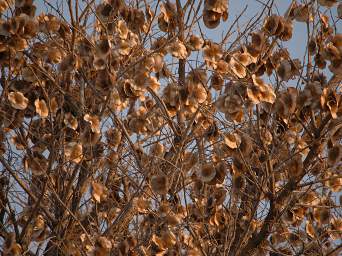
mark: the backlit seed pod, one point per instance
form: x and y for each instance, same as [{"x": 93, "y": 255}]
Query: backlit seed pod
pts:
[
  {"x": 11, "y": 247},
  {"x": 178, "y": 50},
  {"x": 211, "y": 19},
  {"x": 233, "y": 141},
  {"x": 238, "y": 69},
  {"x": 321, "y": 215},
  {"x": 73, "y": 152},
  {"x": 98, "y": 192},
  {"x": 114, "y": 137},
  {"x": 160, "y": 184},
  {"x": 195, "y": 43},
  {"x": 336, "y": 228},
  {"x": 334, "y": 155},
  {"x": 239, "y": 183},
  {"x": 41, "y": 108},
  {"x": 309, "y": 228},
  {"x": 213, "y": 11},
  {"x": 286, "y": 33},
  {"x": 295, "y": 167},
  {"x": 54, "y": 56},
  {"x": 212, "y": 53},
  {"x": 339, "y": 10},
  {"x": 103, "y": 47},
  {"x": 18, "y": 100},
  {"x": 70, "y": 121},
  {"x": 258, "y": 40},
  {"x": 207, "y": 172},
  {"x": 303, "y": 13},
  {"x": 157, "y": 150},
  {"x": 168, "y": 237},
  {"x": 217, "y": 81},
  {"x": 94, "y": 122},
  {"x": 103, "y": 246},
  {"x": 271, "y": 24},
  {"x": 68, "y": 63},
  {"x": 284, "y": 70},
  {"x": 4, "y": 4},
  {"x": 327, "y": 3}
]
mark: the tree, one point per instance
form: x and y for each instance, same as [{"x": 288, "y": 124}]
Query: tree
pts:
[{"x": 126, "y": 130}]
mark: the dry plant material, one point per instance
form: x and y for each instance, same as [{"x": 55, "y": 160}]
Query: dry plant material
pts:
[{"x": 163, "y": 128}]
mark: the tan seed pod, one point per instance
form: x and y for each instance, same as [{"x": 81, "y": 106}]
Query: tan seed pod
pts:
[
  {"x": 98, "y": 192},
  {"x": 339, "y": 10},
  {"x": 217, "y": 81},
  {"x": 178, "y": 50},
  {"x": 327, "y": 3},
  {"x": 157, "y": 150},
  {"x": 114, "y": 137},
  {"x": 239, "y": 183},
  {"x": 271, "y": 24},
  {"x": 70, "y": 121},
  {"x": 41, "y": 108},
  {"x": 160, "y": 184},
  {"x": 310, "y": 231},
  {"x": 238, "y": 69},
  {"x": 73, "y": 152},
  {"x": 334, "y": 155},
  {"x": 295, "y": 167},
  {"x": 94, "y": 122},
  {"x": 18, "y": 100},
  {"x": 168, "y": 237},
  {"x": 232, "y": 140},
  {"x": 321, "y": 215},
  {"x": 211, "y": 19},
  {"x": 207, "y": 172},
  {"x": 195, "y": 43},
  {"x": 54, "y": 56}
]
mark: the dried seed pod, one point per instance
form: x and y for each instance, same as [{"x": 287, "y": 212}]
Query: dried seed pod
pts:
[
  {"x": 98, "y": 192},
  {"x": 233, "y": 141},
  {"x": 94, "y": 122},
  {"x": 195, "y": 43},
  {"x": 339, "y": 10},
  {"x": 178, "y": 50},
  {"x": 207, "y": 172},
  {"x": 73, "y": 152},
  {"x": 327, "y": 3},
  {"x": 335, "y": 155},
  {"x": 41, "y": 108},
  {"x": 160, "y": 184},
  {"x": 18, "y": 100}
]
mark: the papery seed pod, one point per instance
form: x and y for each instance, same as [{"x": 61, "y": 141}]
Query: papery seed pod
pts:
[
  {"x": 157, "y": 150},
  {"x": 207, "y": 172},
  {"x": 18, "y": 100},
  {"x": 327, "y": 3},
  {"x": 217, "y": 81},
  {"x": 295, "y": 167},
  {"x": 73, "y": 152},
  {"x": 195, "y": 43},
  {"x": 178, "y": 50},
  {"x": 98, "y": 192},
  {"x": 94, "y": 122},
  {"x": 339, "y": 10},
  {"x": 239, "y": 183},
  {"x": 160, "y": 184},
  {"x": 233, "y": 141},
  {"x": 271, "y": 24},
  {"x": 41, "y": 108},
  {"x": 334, "y": 155}
]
